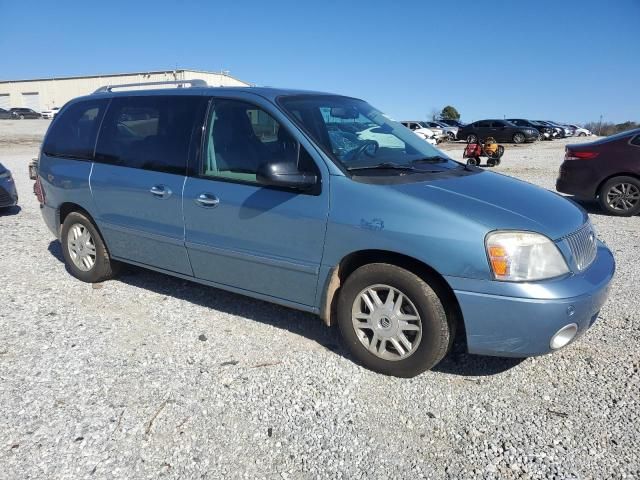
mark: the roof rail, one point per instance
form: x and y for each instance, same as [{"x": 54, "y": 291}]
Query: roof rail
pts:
[{"x": 196, "y": 82}]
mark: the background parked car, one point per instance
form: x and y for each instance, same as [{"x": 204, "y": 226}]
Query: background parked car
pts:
[
  {"x": 565, "y": 131},
  {"x": 545, "y": 132},
  {"x": 423, "y": 132},
  {"x": 8, "y": 192},
  {"x": 607, "y": 169},
  {"x": 557, "y": 131},
  {"x": 7, "y": 115},
  {"x": 451, "y": 131},
  {"x": 581, "y": 131},
  {"x": 501, "y": 130},
  {"x": 50, "y": 113},
  {"x": 22, "y": 113}
]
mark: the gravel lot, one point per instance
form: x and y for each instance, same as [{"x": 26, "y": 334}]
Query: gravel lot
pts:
[{"x": 148, "y": 376}]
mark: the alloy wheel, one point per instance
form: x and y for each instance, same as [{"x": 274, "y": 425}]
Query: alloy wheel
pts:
[
  {"x": 623, "y": 197},
  {"x": 82, "y": 248},
  {"x": 386, "y": 322}
]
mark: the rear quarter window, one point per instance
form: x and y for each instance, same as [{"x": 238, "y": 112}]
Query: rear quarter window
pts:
[
  {"x": 150, "y": 132},
  {"x": 635, "y": 141},
  {"x": 73, "y": 132}
]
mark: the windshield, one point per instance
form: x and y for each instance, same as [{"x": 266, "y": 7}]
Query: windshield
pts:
[{"x": 357, "y": 136}]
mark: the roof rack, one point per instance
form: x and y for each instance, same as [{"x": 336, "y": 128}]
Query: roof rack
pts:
[{"x": 196, "y": 82}]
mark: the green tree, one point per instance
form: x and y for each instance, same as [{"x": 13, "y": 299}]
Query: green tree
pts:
[{"x": 450, "y": 113}]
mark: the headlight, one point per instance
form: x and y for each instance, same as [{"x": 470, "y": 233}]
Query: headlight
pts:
[{"x": 516, "y": 256}]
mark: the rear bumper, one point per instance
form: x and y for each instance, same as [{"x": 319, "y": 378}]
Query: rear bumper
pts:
[
  {"x": 523, "y": 326},
  {"x": 576, "y": 178},
  {"x": 50, "y": 217}
]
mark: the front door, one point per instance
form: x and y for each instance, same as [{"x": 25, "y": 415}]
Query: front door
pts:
[
  {"x": 240, "y": 233},
  {"x": 138, "y": 177}
]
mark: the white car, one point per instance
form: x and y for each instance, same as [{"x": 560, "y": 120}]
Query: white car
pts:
[
  {"x": 50, "y": 113},
  {"x": 429, "y": 134},
  {"x": 581, "y": 132}
]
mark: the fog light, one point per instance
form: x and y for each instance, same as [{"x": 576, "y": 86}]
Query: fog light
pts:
[{"x": 563, "y": 336}]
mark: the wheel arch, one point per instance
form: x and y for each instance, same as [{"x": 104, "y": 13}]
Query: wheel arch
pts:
[{"x": 357, "y": 259}]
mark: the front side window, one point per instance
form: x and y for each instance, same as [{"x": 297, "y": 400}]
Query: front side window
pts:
[
  {"x": 73, "y": 133},
  {"x": 635, "y": 141},
  {"x": 357, "y": 136},
  {"x": 242, "y": 137},
  {"x": 482, "y": 124},
  {"x": 150, "y": 132}
]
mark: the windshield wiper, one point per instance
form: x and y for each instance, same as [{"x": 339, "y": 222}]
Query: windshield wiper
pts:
[
  {"x": 432, "y": 159},
  {"x": 386, "y": 166}
]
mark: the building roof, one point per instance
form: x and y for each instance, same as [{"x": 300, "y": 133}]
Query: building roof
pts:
[{"x": 148, "y": 72}]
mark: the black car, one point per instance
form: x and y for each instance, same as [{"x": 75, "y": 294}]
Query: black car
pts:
[
  {"x": 22, "y": 112},
  {"x": 559, "y": 132},
  {"x": 500, "y": 130},
  {"x": 546, "y": 132},
  {"x": 6, "y": 115}
]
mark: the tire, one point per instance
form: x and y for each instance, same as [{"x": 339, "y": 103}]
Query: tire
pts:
[
  {"x": 428, "y": 340},
  {"x": 451, "y": 136},
  {"x": 620, "y": 196},
  {"x": 582, "y": 134},
  {"x": 491, "y": 162},
  {"x": 472, "y": 161},
  {"x": 20, "y": 117},
  {"x": 519, "y": 138},
  {"x": 92, "y": 263},
  {"x": 472, "y": 138}
]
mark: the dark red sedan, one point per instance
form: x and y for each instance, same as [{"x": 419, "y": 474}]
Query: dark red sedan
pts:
[{"x": 607, "y": 169}]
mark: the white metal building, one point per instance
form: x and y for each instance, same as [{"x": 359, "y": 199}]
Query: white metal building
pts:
[{"x": 45, "y": 93}]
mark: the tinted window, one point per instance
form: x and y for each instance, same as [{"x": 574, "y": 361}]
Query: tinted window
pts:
[
  {"x": 482, "y": 124},
  {"x": 241, "y": 137},
  {"x": 73, "y": 133},
  {"x": 635, "y": 141},
  {"x": 151, "y": 133}
]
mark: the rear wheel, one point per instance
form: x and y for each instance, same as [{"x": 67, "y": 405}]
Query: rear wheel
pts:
[
  {"x": 451, "y": 136},
  {"x": 472, "y": 138},
  {"x": 582, "y": 134},
  {"x": 21, "y": 117},
  {"x": 620, "y": 196},
  {"x": 392, "y": 321},
  {"x": 84, "y": 251},
  {"x": 518, "y": 138}
]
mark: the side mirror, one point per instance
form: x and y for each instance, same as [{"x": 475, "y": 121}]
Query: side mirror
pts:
[{"x": 285, "y": 174}]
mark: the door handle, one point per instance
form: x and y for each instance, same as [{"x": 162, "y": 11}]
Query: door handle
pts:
[
  {"x": 207, "y": 200},
  {"x": 161, "y": 191}
]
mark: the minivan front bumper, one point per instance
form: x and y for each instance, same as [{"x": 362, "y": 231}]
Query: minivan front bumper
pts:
[{"x": 520, "y": 320}]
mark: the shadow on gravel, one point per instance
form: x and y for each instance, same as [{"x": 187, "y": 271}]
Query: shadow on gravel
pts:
[
  {"x": 300, "y": 323},
  {"x": 457, "y": 362},
  {"x": 10, "y": 211},
  {"x": 461, "y": 363},
  {"x": 591, "y": 206}
]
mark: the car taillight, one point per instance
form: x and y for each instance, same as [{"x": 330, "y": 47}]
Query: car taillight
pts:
[
  {"x": 37, "y": 189},
  {"x": 582, "y": 155}
]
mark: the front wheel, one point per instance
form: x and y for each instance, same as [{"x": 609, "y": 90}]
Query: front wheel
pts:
[
  {"x": 84, "y": 251},
  {"x": 472, "y": 138},
  {"x": 518, "y": 138},
  {"x": 620, "y": 196},
  {"x": 392, "y": 321}
]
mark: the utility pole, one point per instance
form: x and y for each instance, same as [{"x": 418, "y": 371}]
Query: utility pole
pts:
[{"x": 600, "y": 126}]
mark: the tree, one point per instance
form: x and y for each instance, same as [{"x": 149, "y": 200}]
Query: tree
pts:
[{"x": 450, "y": 113}]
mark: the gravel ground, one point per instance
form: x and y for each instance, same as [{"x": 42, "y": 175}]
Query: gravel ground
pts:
[{"x": 148, "y": 376}]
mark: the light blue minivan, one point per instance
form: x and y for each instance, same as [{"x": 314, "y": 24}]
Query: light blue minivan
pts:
[{"x": 321, "y": 203}]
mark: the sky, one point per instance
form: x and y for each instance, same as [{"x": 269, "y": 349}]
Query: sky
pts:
[{"x": 568, "y": 61}]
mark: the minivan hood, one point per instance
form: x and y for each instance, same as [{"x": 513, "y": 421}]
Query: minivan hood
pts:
[{"x": 501, "y": 202}]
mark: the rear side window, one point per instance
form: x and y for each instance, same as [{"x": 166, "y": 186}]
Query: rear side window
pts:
[
  {"x": 482, "y": 124},
  {"x": 635, "y": 141},
  {"x": 73, "y": 133},
  {"x": 151, "y": 133}
]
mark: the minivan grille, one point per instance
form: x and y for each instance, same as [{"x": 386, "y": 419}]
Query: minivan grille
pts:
[{"x": 583, "y": 245}]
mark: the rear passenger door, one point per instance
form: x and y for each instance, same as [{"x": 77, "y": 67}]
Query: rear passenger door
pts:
[{"x": 138, "y": 176}]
